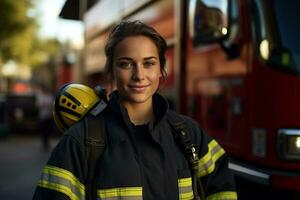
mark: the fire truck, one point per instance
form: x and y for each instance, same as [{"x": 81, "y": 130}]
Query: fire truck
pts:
[{"x": 233, "y": 65}]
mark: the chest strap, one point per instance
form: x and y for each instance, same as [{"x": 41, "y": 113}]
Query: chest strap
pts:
[
  {"x": 95, "y": 143},
  {"x": 183, "y": 136}
]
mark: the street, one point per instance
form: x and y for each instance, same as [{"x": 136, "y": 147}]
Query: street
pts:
[{"x": 22, "y": 159}]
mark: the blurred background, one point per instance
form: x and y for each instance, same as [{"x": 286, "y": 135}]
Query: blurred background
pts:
[
  {"x": 233, "y": 66},
  {"x": 37, "y": 48}
]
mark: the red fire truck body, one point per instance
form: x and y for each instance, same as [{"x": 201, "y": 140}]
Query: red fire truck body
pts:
[
  {"x": 249, "y": 103},
  {"x": 234, "y": 67}
]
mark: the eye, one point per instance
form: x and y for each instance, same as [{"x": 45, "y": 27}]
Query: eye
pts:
[
  {"x": 149, "y": 63},
  {"x": 125, "y": 65}
]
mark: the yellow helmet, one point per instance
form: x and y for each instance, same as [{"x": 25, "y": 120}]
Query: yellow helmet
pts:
[{"x": 73, "y": 101}]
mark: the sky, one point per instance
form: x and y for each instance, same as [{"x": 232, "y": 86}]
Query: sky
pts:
[{"x": 53, "y": 26}]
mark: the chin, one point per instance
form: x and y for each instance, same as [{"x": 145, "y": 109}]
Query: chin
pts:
[{"x": 138, "y": 98}]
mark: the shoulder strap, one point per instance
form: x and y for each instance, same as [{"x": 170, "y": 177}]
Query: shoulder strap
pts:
[
  {"x": 183, "y": 135},
  {"x": 94, "y": 146}
]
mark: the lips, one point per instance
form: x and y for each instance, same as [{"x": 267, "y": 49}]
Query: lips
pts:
[{"x": 138, "y": 88}]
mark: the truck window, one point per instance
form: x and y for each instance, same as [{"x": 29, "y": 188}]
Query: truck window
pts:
[{"x": 277, "y": 34}]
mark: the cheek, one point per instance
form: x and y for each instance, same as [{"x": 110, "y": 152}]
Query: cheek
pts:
[
  {"x": 154, "y": 75},
  {"x": 121, "y": 76}
]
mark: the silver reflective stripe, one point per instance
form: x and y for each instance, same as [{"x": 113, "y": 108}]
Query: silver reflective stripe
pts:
[
  {"x": 210, "y": 162},
  {"x": 62, "y": 181},
  {"x": 124, "y": 193},
  {"x": 185, "y": 189},
  {"x": 206, "y": 164}
]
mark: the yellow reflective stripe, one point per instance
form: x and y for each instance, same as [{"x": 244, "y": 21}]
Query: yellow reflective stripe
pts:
[
  {"x": 228, "y": 195},
  {"x": 121, "y": 192},
  {"x": 63, "y": 181},
  {"x": 59, "y": 172},
  {"x": 206, "y": 164},
  {"x": 186, "y": 196},
  {"x": 185, "y": 189},
  {"x": 184, "y": 182},
  {"x": 60, "y": 188}
]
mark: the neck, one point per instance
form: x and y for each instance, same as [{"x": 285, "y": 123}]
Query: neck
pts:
[{"x": 139, "y": 113}]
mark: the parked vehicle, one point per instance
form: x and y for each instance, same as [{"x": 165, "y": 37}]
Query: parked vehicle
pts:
[
  {"x": 3, "y": 122},
  {"x": 248, "y": 98},
  {"x": 21, "y": 113}
]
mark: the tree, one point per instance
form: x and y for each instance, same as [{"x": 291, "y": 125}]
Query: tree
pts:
[
  {"x": 17, "y": 30},
  {"x": 43, "y": 50},
  {"x": 19, "y": 40}
]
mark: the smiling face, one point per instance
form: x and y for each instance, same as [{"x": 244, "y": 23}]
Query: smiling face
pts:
[{"x": 136, "y": 69}]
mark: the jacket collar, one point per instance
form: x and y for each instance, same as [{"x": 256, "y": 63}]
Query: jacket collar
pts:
[{"x": 160, "y": 108}]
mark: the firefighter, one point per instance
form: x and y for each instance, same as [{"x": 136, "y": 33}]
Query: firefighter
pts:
[{"x": 141, "y": 159}]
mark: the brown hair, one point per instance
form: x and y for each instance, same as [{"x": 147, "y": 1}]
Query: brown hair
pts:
[{"x": 134, "y": 28}]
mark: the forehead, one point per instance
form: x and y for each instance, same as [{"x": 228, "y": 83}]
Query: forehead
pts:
[{"x": 136, "y": 46}]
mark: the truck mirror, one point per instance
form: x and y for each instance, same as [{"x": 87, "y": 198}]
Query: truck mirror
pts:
[{"x": 208, "y": 21}]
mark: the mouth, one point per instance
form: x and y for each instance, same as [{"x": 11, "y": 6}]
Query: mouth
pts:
[{"x": 138, "y": 88}]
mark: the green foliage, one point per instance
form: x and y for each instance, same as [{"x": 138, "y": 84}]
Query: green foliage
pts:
[
  {"x": 16, "y": 29},
  {"x": 43, "y": 50},
  {"x": 18, "y": 34},
  {"x": 13, "y": 17}
]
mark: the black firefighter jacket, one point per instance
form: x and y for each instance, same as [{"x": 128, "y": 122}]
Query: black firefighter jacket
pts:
[{"x": 151, "y": 167}]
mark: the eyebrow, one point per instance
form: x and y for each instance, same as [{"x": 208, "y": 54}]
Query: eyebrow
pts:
[
  {"x": 151, "y": 57},
  {"x": 125, "y": 58},
  {"x": 130, "y": 59}
]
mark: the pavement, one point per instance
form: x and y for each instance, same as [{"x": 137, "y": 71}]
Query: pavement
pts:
[{"x": 21, "y": 161}]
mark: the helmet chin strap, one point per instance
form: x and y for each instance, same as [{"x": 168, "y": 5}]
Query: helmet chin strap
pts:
[
  {"x": 101, "y": 93},
  {"x": 98, "y": 108}
]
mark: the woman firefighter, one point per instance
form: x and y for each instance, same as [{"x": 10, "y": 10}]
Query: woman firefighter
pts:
[{"x": 150, "y": 151}]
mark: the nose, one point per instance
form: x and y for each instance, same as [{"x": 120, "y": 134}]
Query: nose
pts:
[{"x": 138, "y": 73}]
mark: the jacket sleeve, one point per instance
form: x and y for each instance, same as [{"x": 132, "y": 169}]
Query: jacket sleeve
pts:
[
  {"x": 63, "y": 176},
  {"x": 212, "y": 168}
]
